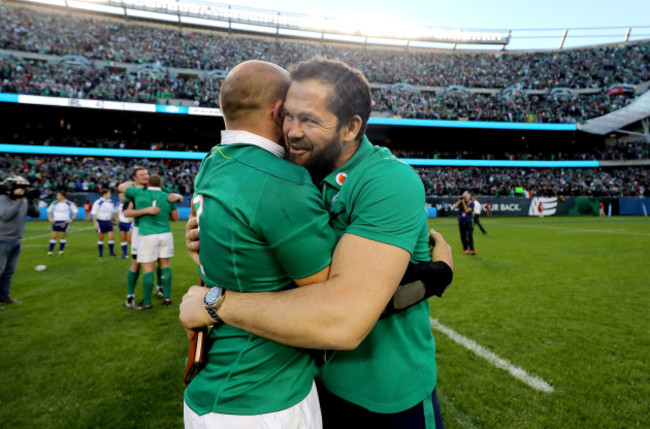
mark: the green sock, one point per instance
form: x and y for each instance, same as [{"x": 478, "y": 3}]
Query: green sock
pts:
[
  {"x": 159, "y": 276},
  {"x": 132, "y": 280},
  {"x": 167, "y": 282},
  {"x": 147, "y": 288}
]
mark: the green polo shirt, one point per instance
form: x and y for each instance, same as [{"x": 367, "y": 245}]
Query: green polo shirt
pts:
[
  {"x": 261, "y": 224},
  {"x": 376, "y": 196},
  {"x": 151, "y": 224}
]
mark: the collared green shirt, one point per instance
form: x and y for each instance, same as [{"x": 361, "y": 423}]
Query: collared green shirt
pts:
[
  {"x": 151, "y": 224},
  {"x": 261, "y": 224},
  {"x": 376, "y": 196}
]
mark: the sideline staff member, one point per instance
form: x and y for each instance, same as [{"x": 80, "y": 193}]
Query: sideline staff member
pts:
[{"x": 14, "y": 210}]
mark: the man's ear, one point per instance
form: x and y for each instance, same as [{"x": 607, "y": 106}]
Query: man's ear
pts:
[
  {"x": 277, "y": 113},
  {"x": 351, "y": 130}
]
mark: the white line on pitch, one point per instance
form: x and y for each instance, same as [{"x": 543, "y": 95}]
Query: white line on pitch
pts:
[
  {"x": 534, "y": 382},
  {"x": 49, "y": 234},
  {"x": 588, "y": 231}
]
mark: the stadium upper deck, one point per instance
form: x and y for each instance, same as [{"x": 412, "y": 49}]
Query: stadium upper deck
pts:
[{"x": 560, "y": 87}]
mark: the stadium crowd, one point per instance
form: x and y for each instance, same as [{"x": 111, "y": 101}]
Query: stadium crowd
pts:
[
  {"x": 620, "y": 151},
  {"x": 89, "y": 174},
  {"x": 27, "y": 30},
  {"x": 592, "y": 182},
  {"x": 484, "y": 107}
]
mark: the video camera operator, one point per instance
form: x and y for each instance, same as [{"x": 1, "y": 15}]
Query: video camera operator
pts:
[{"x": 16, "y": 203}]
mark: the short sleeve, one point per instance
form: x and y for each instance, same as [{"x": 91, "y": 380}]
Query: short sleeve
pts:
[{"x": 389, "y": 206}]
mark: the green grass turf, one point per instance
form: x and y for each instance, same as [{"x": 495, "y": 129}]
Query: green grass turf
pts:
[{"x": 565, "y": 299}]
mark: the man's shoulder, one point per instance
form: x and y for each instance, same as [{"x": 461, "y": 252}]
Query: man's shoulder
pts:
[
  {"x": 259, "y": 161},
  {"x": 381, "y": 166}
]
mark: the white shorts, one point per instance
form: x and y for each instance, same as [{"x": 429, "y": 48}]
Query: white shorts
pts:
[
  {"x": 154, "y": 246},
  {"x": 304, "y": 415},
  {"x": 134, "y": 240}
]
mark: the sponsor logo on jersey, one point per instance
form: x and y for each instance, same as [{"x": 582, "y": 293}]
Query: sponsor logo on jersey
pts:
[{"x": 340, "y": 178}]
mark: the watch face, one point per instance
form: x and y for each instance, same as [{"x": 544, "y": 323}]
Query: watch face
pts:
[{"x": 213, "y": 295}]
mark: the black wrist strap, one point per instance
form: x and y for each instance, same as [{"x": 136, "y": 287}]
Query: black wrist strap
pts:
[{"x": 420, "y": 282}]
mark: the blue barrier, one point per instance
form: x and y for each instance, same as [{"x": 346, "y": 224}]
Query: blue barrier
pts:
[{"x": 633, "y": 206}]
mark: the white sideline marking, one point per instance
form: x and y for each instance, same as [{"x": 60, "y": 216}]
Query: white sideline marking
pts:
[
  {"x": 588, "y": 231},
  {"x": 49, "y": 234},
  {"x": 534, "y": 382}
]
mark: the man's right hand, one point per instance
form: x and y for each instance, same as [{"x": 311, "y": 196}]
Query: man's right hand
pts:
[
  {"x": 192, "y": 237},
  {"x": 193, "y": 314},
  {"x": 152, "y": 210}
]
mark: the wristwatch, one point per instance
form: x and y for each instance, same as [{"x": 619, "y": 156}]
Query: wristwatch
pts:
[{"x": 212, "y": 301}]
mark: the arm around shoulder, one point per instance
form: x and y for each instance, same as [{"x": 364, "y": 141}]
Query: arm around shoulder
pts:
[{"x": 337, "y": 314}]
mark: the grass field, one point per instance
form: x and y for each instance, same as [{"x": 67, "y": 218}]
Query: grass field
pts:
[{"x": 564, "y": 300}]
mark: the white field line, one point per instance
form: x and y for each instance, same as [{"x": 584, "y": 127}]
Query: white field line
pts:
[
  {"x": 534, "y": 382},
  {"x": 49, "y": 234},
  {"x": 589, "y": 231}
]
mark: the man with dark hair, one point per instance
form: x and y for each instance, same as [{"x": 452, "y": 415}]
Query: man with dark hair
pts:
[
  {"x": 155, "y": 239},
  {"x": 130, "y": 209},
  {"x": 14, "y": 209},
  {"x": 140, "y": 178},
  {"x": 387, "y": 376}
]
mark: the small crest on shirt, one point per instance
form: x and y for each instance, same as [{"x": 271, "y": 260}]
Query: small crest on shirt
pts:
[
  {"x": 335, "y": 197},
  {"x": 340, "y": 178}
]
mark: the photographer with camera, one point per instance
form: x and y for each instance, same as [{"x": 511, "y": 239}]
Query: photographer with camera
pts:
[
  {"x": 465, "y": 209},
  {"x": 16, "y": 203}
]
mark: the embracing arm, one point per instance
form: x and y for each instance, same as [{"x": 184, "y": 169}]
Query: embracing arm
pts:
[
  {"x": 122, "y": 187},
  {"x": 131, "y": 212},
  {"x": 422, "y": 281},
  {"x": 336, "y": 314}
]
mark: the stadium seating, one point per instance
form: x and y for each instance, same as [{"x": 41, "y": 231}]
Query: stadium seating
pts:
[
  {"x": 88, "y": 174},
  {"x": 553, "y": 87}
]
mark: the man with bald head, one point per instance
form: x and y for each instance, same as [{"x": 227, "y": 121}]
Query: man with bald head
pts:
[{"x": 262, "y": 228}]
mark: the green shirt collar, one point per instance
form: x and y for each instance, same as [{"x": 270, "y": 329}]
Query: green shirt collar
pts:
[{"x": 338, "y": 176}]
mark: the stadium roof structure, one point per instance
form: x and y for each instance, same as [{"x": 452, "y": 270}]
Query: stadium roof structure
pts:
[{"x": 639, "y": 110}]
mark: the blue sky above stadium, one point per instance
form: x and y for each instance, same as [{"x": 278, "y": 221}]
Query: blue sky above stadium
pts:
[{"x": 595, "y": 17}]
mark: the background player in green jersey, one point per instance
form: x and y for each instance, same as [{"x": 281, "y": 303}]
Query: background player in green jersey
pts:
[
  {"x": 155, "y": 240},
  {"x": 140, "y": 179},
  {"x": 387, "y": 379}
]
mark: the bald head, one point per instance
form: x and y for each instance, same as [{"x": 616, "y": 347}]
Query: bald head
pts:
[{"x": 249, "y": 89}]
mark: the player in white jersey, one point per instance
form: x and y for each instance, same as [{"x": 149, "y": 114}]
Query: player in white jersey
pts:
[
  {"x": 124, "y": 225},
  {"x": 102, "y": 214},
  {"x": 58, "y": 213}
]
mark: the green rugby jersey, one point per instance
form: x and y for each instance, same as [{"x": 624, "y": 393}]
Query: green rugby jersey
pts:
[
  {"x": 261, "y": 224},
  {"x": 142, "y": 198},
  {"x": 376, "y": 196}
]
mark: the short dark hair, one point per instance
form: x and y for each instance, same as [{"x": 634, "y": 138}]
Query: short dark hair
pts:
[
  {"x": 137, "y": 168},
  {"x": 155, "y": 180},
  {"x": 62, "y": 192},
  {"x": 351, "y": 91}
]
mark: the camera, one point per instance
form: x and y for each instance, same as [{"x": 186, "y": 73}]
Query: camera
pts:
[{"x": 11, "y": 183}]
